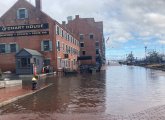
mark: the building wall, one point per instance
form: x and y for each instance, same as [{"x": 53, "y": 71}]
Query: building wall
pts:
[
  {"x": 87, "y": 26},
  {"x": 31, "y": 42},
  {"x": 35, "y": 16},
  {"x": 72, "y": 42}
]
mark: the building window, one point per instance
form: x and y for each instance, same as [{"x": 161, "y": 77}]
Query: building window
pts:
[
  {"x": 91, "y": 36},
  {"x": 2, "y": 48},
  {"x": 58, "y": 45},
  {"x": 46, "y": 45},
  {"x": 81, "y": 36},
  {"x": 97, "y": 51},
  {"x": 13, "y": 48},
  {"x": 62, "y": 33},
  {"x": 81, "y": 44},
  {"x": 22, "y": 13},
  {"x": 63, "y": 47},
  {"x": 66, "y": 49},
  {"x": 25, "y": 62},
  {"x": 97, "y": 44},
  {"x": 83, "y": 52},
  {"x": 46, "y": 62},
  {"x": 57, "y": 30}
]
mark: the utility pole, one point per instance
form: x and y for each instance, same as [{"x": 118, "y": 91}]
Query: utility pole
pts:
[{"x": 145, "y": 51}]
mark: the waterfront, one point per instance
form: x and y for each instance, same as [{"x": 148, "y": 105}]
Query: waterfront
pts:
[{"x": 120, "y": 90}]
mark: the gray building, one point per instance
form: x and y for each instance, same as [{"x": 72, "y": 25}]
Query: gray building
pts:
[{"x": 26, "y": 59}]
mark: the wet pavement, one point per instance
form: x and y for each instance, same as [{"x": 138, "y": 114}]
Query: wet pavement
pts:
[{"x": 119, "y": 93}]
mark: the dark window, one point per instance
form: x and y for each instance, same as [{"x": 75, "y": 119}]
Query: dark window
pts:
[
  {"x": 12, "y": 48},
  {"x": 58, "y": 30},
  {"x": 38, "y": 62},
  {"x": 46, "y": 45},
  {"x": 91, "y": 36},
  {"x": 22, "y": 14},
  {"x": 97, "y": 44},
  {"x": 58, "y": 45},
  {"x": 25, "y": 62},
  {"x": 83, "y": 52},
  {"x": 62, "y": 33},
  {"x": 97, "y": 51},
  {"x": 47, "y": 62},
  {"x": 35, "y": 61},
  {"x": 2, "y": 48},
  {"x": 81, "y": 44},
  {"x": 81, "y": 36}
]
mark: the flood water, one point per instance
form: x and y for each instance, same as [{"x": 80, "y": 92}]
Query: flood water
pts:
[{"x": 118, "y": 90}]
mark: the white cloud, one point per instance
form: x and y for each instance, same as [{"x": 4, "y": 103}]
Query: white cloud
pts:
[{"x": 123, "y": 19}]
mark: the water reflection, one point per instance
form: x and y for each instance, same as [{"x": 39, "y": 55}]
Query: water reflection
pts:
[
  {"x": 132, "y": 89},
  {"x": 78, "y": 94},
  {"x": 119, "y": 90}
]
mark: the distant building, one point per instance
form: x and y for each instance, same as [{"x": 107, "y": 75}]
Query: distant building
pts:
[
  {"x": 92, "y": 43},
  {"x": 26, "y": 26}
]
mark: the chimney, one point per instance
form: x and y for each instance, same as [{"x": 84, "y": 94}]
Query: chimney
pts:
[
  {"x": 69, "y": 18},
  {"x": 38, "y": 4},
  {"x": 63, "y": 23}
]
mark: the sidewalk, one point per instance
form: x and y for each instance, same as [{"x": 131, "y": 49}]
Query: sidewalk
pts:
[{"x": 12, "y": 94}]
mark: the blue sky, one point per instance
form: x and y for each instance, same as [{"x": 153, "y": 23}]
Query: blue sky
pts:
[{"x": 130, "y": 24}]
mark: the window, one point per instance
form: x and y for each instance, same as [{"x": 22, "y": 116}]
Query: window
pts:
[
  {"x": 83, "y": 52},
  {"x": 2, "y": 48},
  {"x": 22, "y": 13},
  {"x": 81, "y": 44},
  {"x": 68, "y": 37},
  {"x": 12, "y": 48},
  {"x": 81, "y": 36},
  {"x": 97, "y": 44},
  {"x": 47, "y": 62},
  {"x": 58, "y": 45},
  {"x": 25, "y": 62},
  {"x": 46, "y": 45},
  {"x": 91, "y": 36},
  {"x": 62, "y": 33},
  {"x": 63, "y": 46},
  {"x": 57, "y": 30},
  {"x": 97, "y": 51}
]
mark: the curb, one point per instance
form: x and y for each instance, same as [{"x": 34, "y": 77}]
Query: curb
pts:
[{"x": 22, "y": 96}]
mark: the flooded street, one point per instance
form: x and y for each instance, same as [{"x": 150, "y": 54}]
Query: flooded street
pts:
[{"x": 119, "y": 90}]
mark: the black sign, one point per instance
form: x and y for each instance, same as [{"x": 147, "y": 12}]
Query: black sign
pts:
[
  {"x": 24, "y": 27},
  {"x": 24, "y": 34}
]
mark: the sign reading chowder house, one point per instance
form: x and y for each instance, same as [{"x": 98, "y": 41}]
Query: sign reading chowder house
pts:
[{"x": 24, "y": 27}]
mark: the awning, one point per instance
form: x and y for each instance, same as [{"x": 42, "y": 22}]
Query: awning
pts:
[{"x": 84, "y": 58}]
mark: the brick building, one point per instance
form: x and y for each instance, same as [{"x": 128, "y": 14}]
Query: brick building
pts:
[
  {"x": 26, "y": 26},
  {"x": 92, "y": 43}
]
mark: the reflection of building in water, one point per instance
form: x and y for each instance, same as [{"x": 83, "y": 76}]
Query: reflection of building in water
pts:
[{"x": 83, "y": 94}]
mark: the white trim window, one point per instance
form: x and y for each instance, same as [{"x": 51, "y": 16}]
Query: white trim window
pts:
[
  {"x": 22, "y": 13},
  {"x": 46, "y": 45},
  {"x": 58, "y": 45}
]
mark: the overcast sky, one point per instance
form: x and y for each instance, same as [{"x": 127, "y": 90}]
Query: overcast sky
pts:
[{"x": 130, "y": 24}]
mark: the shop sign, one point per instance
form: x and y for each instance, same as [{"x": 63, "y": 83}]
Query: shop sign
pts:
[
  {"x": 24, "y": 27},
  {"x": 24, "y": 34}
]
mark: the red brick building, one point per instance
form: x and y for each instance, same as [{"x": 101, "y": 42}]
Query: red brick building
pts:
[
  {"x": 92, "y": 43},
  {"x": 26, "y": 26}
]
